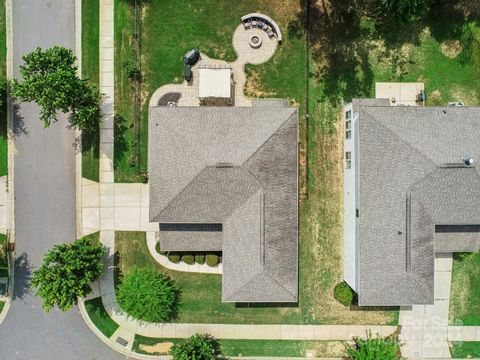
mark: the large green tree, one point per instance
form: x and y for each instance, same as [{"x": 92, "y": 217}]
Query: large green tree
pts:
[
  {"x": 401, "y": 11},
  {"x": 66, "y": 273},
  {"x": 147, "y": 295},
  {"x": 49, "y": 78},
  {"x": 197, "y": 347}
]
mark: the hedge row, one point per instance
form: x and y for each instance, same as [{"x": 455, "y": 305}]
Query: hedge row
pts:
[{"x": 190, "y": 259}]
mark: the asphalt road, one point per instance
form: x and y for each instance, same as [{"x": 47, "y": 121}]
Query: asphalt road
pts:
[{"x": 44, "y": 203}]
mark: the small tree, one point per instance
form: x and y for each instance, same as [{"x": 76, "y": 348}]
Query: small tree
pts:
[
  {"x": 66, "y": 273},
  {"x": 147, "y": 295},
  {"x": 373, "y": 348},
  {"x": 197, "y": 347},
  {"x": 49, "y": 77}
]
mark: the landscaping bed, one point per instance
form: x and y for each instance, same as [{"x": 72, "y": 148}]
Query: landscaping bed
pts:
[
  {"x": 465, "y": 291},
  {"x": 100, "y": 317},
  {"x": 90, "y": 71}
]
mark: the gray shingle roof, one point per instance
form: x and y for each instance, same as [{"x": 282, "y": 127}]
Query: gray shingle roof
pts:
[
  {"x": 238, "y": 167},
  {"x": 408, "y": 185}
]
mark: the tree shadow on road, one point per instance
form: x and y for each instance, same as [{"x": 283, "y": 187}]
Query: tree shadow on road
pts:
[
  {"x": 23, "y": 276},
  {"x": 19, "y": 127}
]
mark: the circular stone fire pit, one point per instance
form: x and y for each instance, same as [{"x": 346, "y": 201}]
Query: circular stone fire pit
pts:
[{"x": 255, "y": 41}]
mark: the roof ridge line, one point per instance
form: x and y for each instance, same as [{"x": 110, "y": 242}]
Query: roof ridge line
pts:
[
  {"x": 400, "y": 138},
  {"x": 183, "y": 189},
  {"x": 263, "y": 271},
  {"x": 274, "y": 133},
  {"x": 283, "y": 287}
]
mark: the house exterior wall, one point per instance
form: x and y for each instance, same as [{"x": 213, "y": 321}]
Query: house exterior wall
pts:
[{"x": 351, "y": 199}]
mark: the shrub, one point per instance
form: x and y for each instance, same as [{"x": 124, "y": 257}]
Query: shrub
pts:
[
  {"x": 174, "y": 258},
  {"x": 200, "y": 347},
  {"x": 211, "y": 260},
  {"x": 343, "y": 293},
  {"x": 200, "y": 259},
  {"x": 373, "y": 348},
  {"x": 147, "y": 295},
  {"x": 157, "y": 247},
  {"x": 132, "y": 69},
  {"x": 188, "y": 259}
]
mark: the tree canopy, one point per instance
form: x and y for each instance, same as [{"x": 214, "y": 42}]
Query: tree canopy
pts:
[
  {"x": 197, "y": 347},
  {"x": 147, "y": 295},
  {"x": 49, "y": 78},
  {"x": 373, "y": 348},
  {"x": 66, "y": 273}
]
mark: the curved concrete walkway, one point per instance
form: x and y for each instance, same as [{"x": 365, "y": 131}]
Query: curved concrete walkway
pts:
[{"x": 163, "y": 260}]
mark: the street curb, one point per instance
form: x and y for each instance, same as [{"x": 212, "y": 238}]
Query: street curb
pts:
[
  {"x": 112, "y": 344},
  {"x": 78, "y": 133},
  {"x": 10, "y": 160}
]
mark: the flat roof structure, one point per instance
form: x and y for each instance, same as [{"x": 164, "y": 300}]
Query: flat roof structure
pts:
[
  {"x": 226, "y": 179},
  {"x": 215, "y": 83},
  {"x": 399, "y": 93}
]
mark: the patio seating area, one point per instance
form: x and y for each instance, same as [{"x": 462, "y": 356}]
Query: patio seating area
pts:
[
  {"x": 217, "y": 82},
  {"x": 263, "y": 22}
]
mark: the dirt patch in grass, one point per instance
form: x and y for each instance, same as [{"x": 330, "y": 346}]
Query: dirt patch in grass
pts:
[
  {"x": 160, "y": 348},
  {"x": 451, "y": 48},
  {"x": 464, "y": 95},
  {"x": 253, "y": 86},
  {"x": 435, "y": 97}
]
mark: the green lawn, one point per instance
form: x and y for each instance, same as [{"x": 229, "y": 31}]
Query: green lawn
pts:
[
  {"x": 2, "y": 305},
  {"x": 348, "y": 55},
  {"x": 126, "y": 170},
  {"x": 170, "y": 29},
  {"x": 100, "y": 317},
  {"x": 200, "y": 294},
  {"x": 279, "y": 348},
  {"x": 465, "y": 350},
  {"x": 90, "y": 71},
  {"x": 465, "y": 292},
  {"x": 3, "y": 98}
]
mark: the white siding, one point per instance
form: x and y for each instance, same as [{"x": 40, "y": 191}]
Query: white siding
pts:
[{"x": 350, "y": 201}]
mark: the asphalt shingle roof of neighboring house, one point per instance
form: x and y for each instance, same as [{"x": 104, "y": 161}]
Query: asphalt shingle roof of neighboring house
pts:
[
  {"x": 417, "y": 196},
  {"x": 234, "y": 166}
]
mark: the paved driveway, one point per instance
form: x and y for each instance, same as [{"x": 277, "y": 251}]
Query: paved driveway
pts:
[{"x": 44, "y": 203}]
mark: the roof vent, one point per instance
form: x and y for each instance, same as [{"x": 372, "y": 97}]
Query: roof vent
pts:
[
  {"x": 468, "y": 161},
  {"x": 224, "y": 165}
]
